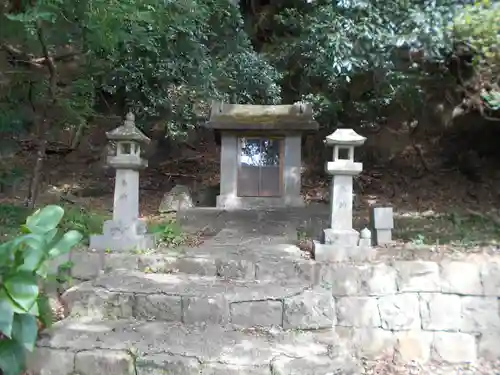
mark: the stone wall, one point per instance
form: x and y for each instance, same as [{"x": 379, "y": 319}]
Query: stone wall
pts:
[
  {"x": 420, "y": 310},
  {"x": 446, "y": 310}
]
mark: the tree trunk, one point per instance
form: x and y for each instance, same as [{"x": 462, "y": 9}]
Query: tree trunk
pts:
[
  {"x": 42, "y": 122},
  {"x": 37, "y": 173}
]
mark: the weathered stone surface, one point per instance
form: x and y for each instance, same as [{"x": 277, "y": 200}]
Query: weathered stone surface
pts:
[
  {"x": 120, "y": 261},
  {"x": 369, "y": 343},
  {"x": 440, "y": 312},
  {"x": 490, "y": 275},
  {"x": 87, "y": 264},
  {"x": 83, "y": 300},
  {"x": 353, "y": 280},
  {"x": 312, "y": 309},
  {"x": 381, "y": 280},
  {"x": 158, "y": 263},
  {"x": 358, "y": 312},
  {"x": 177, "y": 199},
  {"x": 488, "y": 347},
  {"x": 104, "y": 362},
  {"x": 480, "y": 314},
  {"x": 323, "y": 366},
  {"x": 161, "y": 342},
  {"x": 257, "y": 313},
  {"x": 47, "y": 361},
  {"x": 205, "y": 310},
  {"x": 454, "y": 347},
  {"x": 224, "y": 369},
  {"x": 158, "y": 306},
  {"x": 343, "y": 279},
  {"x": 418, "y": 276},
  {"x": 165, "y": 364},
  {"x": 461, "y": 278},
  {"x": 204, "y": 299},
  {"x": 413, "y": 346},
  {"x": 399, "y": 312},
  {"x": 237, "y": 269},
  {"x": 277, "y": 269}
]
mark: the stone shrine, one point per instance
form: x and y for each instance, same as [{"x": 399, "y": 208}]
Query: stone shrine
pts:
[
  {"x": 340, "y": 241},
  {"x": 260, "y": 153},
  {"x": 125, "y": 231}
]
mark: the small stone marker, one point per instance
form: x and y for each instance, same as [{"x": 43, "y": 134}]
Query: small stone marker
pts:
[
  {"x": 381, "y": 223},
  {"x": 125, "y": 231},
  {"x": 342, "y": 242}
]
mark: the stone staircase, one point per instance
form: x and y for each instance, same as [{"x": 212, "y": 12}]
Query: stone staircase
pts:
[
  {"x": 232, "y": 306},
  {"x": 243, "y": 303}
]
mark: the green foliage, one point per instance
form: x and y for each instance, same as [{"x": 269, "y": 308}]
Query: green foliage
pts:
[
  {"x": 81, "y": 220},
  {"x": 23, "y": 269},
  {"x": 169, "y": 233},
  {"x": 492, "y": 98},
  {"x": 158, "y": 57},
  {"x": 479, "y": 26},
  {"x": 470, "y": 229},
  {"x": 162, "y": 59}
]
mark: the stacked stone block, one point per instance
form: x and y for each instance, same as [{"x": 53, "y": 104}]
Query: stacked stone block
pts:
[
  {"x": 414, "y": 310},
  {"x": 420, "y": 310}
]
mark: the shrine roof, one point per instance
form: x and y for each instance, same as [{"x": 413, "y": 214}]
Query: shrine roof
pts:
[{"x": 298, "y": 117}]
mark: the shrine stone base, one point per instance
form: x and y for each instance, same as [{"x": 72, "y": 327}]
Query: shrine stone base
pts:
[
  {"x": 123, "y": 236},
  {"x": 342, "y": 253},
  {"x": 347, "y": 237},
  {"x": 231, "y": 201}
]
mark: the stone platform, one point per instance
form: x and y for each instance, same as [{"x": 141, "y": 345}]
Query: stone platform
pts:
[
  {"x": 227, "y": 255},
  {"x": 201, "y": 299},
  {"x": 128, "y": 347}
]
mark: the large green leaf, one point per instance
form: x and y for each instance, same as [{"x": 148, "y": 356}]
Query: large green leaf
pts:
[
  {"x": 25, "y": 330},
  {"x": 12, "y": 357},
  {"x": 46, "y": 315},
  {"x": 33, "y": 259},
  {"x": 6, "y": 315},
  {"x": 7, "y": 250},
  {"x": 69, "y": 240},
  {"x": 22, "y": 288},
  {"x": 45, "y": 220},
  {"x": 35, "y": 252}
]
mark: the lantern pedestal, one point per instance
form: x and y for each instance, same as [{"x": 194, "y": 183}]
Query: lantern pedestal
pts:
[
  {"x": 125, "y": 232},
  {"x": 341, "y": 242},
  {"x": 123, "y": 236}
]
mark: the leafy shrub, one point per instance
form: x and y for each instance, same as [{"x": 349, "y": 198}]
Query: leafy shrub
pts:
[
  {"x": 479, "y": 26},
  {"x": 169, "y": 233},
  {"x": 85, "y": 222},
  {"x": 24, "y": 267}
]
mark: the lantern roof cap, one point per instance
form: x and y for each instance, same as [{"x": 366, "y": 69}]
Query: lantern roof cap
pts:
[
  {"x": 345, "y": 137},
  {"x": 128, "y": 131}
]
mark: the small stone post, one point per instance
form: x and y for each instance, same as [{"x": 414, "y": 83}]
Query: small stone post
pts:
[
  {"x": 341, "y": 241},
  {"x": 125, "y": 231},
  {"x": 381, "y": 224}
]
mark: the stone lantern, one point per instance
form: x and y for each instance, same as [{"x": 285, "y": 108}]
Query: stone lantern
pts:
[
  {"x": 341, "y": 241},
  {"x": 125, "y": 231}
]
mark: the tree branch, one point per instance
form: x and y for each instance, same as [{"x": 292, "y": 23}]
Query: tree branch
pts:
[
  {"x": 49, "y": 61},
  {"x": 38, "y": 62}
]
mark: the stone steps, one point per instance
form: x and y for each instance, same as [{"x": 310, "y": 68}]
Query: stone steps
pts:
[
  {"x": 246, "y": 262},
  {"x": 128, "y": 347},
  {"x": 194, "y": 299}
]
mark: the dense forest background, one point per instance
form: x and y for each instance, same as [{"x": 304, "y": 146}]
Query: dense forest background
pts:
[{"x": 419, "y": 78}]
